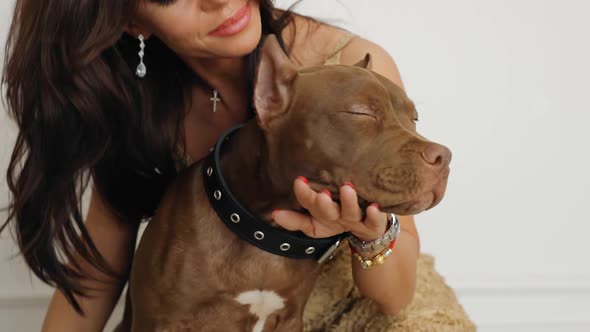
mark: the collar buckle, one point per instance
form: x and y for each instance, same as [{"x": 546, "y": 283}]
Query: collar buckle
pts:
[{"x": 328, "y": 254}]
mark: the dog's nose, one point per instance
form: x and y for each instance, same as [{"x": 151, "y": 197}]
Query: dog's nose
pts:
[{"x": 437, "y": 155}]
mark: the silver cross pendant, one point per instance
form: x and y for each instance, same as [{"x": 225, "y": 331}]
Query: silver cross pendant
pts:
[{"x": 215, "y": 99}]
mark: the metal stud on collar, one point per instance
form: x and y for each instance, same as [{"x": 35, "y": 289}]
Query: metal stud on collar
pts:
[
  {"x": 285, "y": 246},
  {"x": 217, "y": 194},
  {"x": 235, "y": 218},
  {"x": 209, "y": 171},
  {"x": 258, "y": 235},
  {"x": 310, "y": 250}
]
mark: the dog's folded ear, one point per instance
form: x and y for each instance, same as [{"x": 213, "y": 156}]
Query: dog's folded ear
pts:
[
  {"x": 366, "y": 62},
  {"x": 274, "y": 78}
]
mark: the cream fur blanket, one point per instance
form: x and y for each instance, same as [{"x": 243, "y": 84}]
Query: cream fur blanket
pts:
[{"x": 336, "y": 305}]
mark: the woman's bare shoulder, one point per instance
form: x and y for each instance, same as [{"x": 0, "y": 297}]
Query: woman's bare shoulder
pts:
[
  {"x": 311, "y": 42},
  {"x": 382, "y": 62}
]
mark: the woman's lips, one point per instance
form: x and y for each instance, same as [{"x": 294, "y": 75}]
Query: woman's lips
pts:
[{"x": 235, "y": 24}]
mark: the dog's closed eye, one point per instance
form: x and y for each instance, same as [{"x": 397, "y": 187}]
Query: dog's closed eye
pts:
[
  {"x": 362, "y": 114},
  {"x": 361, "y": 110}
]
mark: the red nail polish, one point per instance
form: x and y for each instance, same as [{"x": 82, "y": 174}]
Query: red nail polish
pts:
[
  {"x": 376, "y": 205},
  {"x": 303, "y": 179},
  {"x": 273, "y": 213},
  {"x": 349, "y": 184},
  {"x": 326, "y": 191}
]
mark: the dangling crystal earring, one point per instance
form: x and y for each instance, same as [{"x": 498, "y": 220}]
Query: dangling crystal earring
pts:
[{"x": 141, "y": 69}]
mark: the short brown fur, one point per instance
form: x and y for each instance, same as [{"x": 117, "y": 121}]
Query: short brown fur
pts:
[{"x": 332, "y": 124}]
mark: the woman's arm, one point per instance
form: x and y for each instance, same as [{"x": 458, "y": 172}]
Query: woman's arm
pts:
[
  {"x": 116, "y": 242},
  {"x": 391, "y": 285}
]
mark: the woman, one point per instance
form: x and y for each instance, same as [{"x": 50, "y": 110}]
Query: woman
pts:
[{"x": 123, "y": 92}]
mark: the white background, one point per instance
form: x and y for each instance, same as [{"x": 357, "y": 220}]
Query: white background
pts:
[{"x": 505, "y": 85}]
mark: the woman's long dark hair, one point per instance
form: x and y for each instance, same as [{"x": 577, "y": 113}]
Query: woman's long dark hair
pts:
[{"x": 82, "y": 114}]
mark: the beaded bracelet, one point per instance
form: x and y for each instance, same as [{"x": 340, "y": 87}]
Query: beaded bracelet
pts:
[{"x": 367, "y": 263}]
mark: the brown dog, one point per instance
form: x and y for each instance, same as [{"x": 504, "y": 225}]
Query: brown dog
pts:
[{"x": 331, "y": 124}]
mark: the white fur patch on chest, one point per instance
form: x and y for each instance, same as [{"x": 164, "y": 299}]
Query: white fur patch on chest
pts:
[{"x": 262, "y": 304}]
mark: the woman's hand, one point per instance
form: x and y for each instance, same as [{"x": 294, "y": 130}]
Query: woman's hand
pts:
[{"x": 328, "y": 218}]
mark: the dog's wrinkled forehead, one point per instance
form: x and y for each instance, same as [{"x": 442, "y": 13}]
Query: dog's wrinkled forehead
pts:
[{"x": 351, "y": 88}]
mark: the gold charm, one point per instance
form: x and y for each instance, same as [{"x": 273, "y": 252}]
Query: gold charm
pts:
[
  {"x": 366, "y": 264},
  {"x": 379, "y": 259}
]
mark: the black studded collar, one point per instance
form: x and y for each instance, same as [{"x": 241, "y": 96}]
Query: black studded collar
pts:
[{"x": 240, "y": 221}]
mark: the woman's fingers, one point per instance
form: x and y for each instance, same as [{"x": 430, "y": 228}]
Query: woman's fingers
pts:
[
  {"x": 329, "y": 218},
  {"x": 320, "y": 205},
  {"x": 374, "y": 226},
  {"x": 294, "y": 221},
  {"x": 350, "y": 211},
  {"x": 375, "y": 218}
]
